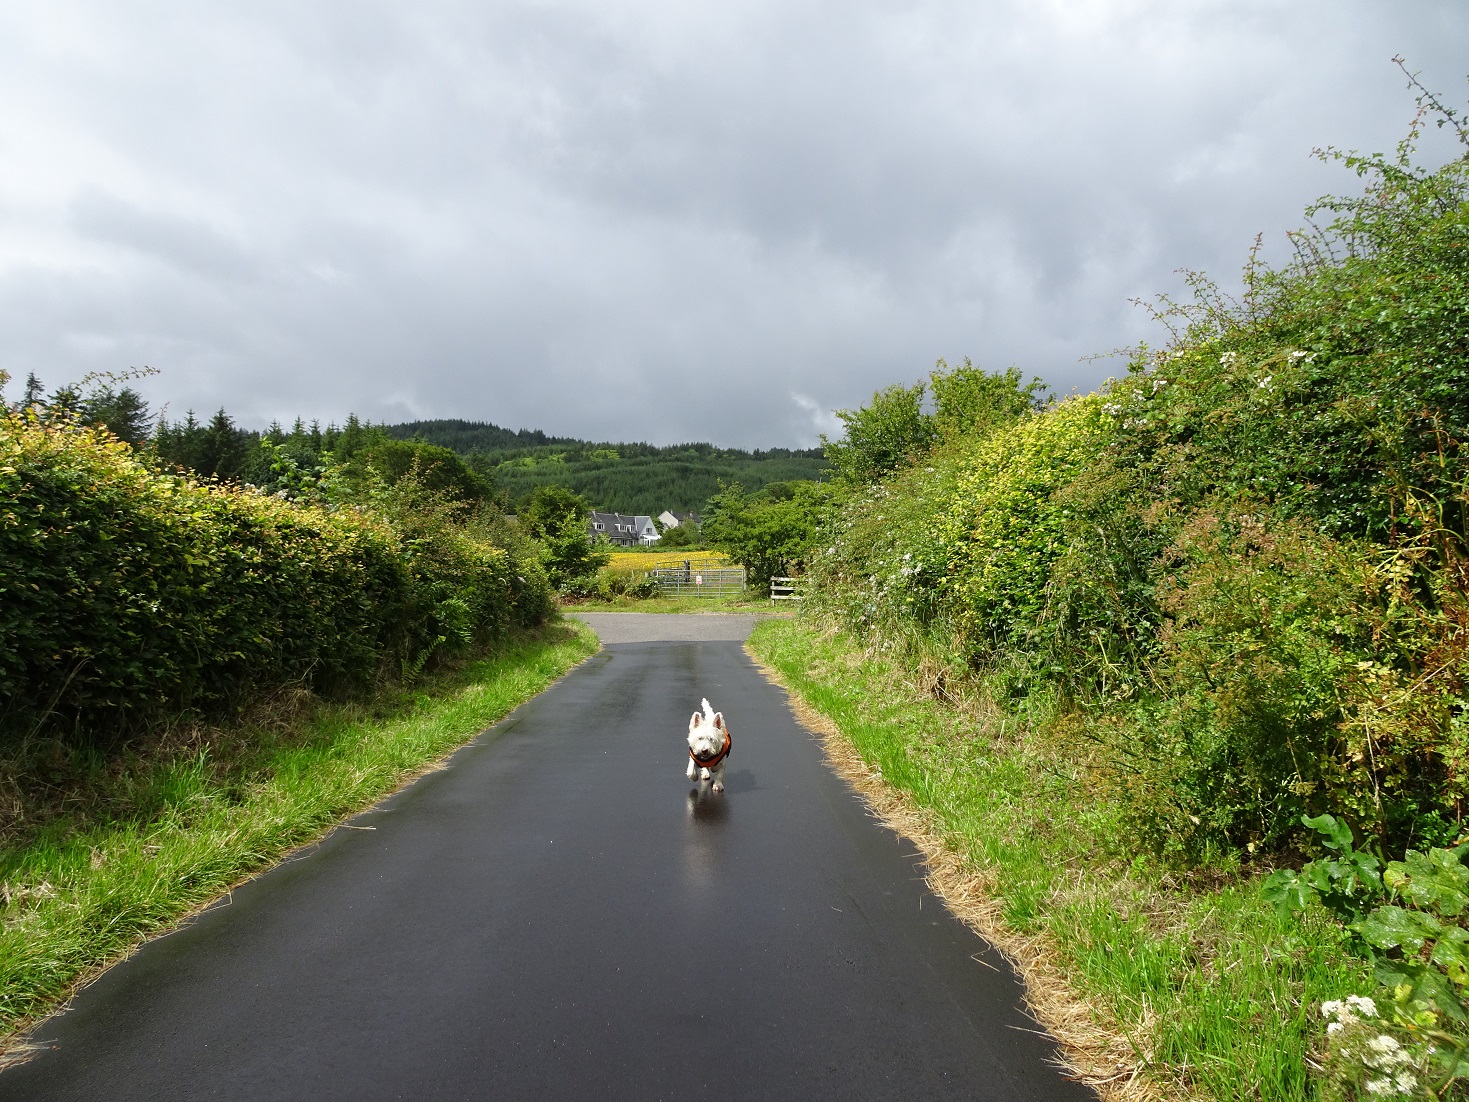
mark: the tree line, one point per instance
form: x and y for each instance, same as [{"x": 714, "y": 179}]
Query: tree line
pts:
[{"x": 481, "y": 461}]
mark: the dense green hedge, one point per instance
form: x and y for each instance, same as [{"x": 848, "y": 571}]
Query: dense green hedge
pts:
[
  {"x": 1241, "y": 570},
  {"x": 127, "y": 594}
]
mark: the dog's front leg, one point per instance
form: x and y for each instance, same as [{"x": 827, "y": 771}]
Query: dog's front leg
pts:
[
  {"x": 693, "y": 770},
  {"x": 719, "y": 777}
]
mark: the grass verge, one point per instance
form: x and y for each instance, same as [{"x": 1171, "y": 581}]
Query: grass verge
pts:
[
  {"x": 1156, "y": 984},
  {"x": 85, "y": 889}
]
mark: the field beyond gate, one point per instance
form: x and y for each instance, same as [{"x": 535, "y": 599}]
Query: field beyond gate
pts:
[{"x": 698, "y": 576}]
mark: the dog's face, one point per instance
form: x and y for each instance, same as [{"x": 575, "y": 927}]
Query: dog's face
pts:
[{"x": 706, "y": 737}]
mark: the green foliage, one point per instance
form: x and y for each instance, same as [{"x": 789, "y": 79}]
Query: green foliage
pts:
[
  {"x": 967, "y": 545},
  {"x": 771, "y": 533},
  {"x": 610, "y": 584},
  {"x": 127, "y": 595},
  {"x": 122, "y": 412},
  {"x": 881, "y": 436},
  {"x": 432, "y": 467},
  {"x": 971, "y": 402},
  {"x": 1346, "y": 883},
  {"x": 1006, "y": 528},
  {"x": 468, "y": 437},
  {"x": 1244, "y": 565},
  {"x": 1265, "y": 657},
  {"x": 215, "y": 450},
  {"x": 1339, "y": 388},
  {"x": 222, "y": 450},
  {"x": 893, "y": 429},
  {"x": 682, "y": 535},
  {"x": 1411, "y": 921},
  {"x": 557, "y": 518}
]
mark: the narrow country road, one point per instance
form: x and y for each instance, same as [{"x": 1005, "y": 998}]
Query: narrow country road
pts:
[{"x": 555, "y": 916}]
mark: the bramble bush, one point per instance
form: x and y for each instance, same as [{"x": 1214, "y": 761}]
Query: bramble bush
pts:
[
  {"x": 1242, "y": 567},
  {"x": 128, "y": 595},
  {"x": 1299, "y": 457}
]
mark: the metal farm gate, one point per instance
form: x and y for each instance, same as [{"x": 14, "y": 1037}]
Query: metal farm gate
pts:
[{"x": 698, "y": 578}]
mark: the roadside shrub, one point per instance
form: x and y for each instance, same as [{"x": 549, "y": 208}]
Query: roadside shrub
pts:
[
  {"x": 772, "y": 532},
  {"x": 1295, "y": 464},
  {"x": 881, "y": 436},
  {"x": 893, "y": 430},
  {"x": 431, "y": 466},
  {"x": 682, "y": 536},
  {"x": 468, "y": 584},
  {"x": 1264, "y": 637},
  {"x": 1006, "y": 528},
  {"x": 957, "y": 552},
  {"x": 883, "y": 566},
  {"x": 1338, "y": 388},
  {"x": 1409, "y": 917},
  {"x": 556, "y": 519},
  {"x": 633, "y": 583}
]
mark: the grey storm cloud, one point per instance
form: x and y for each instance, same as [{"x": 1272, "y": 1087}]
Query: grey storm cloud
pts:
[{"x": 651, "y": 220}]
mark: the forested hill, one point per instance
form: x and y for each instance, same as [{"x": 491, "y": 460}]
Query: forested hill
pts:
[
  {"x": 627, "y": 478},
  {"x": 465, "y": 437}
]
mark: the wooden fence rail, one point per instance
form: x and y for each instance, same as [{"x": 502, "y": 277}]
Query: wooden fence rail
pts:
[{"x": 787, "y": 589}]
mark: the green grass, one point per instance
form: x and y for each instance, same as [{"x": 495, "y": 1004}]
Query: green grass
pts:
[
  {"x": 82, "y": 889},
  {"x": 1216, "y": 993}
]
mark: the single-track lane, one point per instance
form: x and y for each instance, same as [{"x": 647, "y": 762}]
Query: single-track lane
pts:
[{"x": 555, "y": 916}]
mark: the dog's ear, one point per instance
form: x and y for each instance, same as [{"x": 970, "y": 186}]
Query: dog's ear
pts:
[
  {"x": 719, "y": 721},
  {"x": 695, "y": 720}
]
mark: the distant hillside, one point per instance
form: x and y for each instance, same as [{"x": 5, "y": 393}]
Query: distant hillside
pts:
[
  {"x": 476, "y": 436},
  {"x": 626, "y": 478}
]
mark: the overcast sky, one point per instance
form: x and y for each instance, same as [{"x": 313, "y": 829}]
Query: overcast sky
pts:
[{"x": 648, "y": 219}]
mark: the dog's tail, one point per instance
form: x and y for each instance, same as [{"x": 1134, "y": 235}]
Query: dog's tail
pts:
[{"x": 708, "y": 711}]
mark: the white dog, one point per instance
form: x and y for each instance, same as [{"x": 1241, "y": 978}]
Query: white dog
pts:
[{"x": 709, "y": 744}]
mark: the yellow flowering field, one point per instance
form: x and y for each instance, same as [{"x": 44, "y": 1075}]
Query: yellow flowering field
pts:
[{"x": 643, "y": 560}]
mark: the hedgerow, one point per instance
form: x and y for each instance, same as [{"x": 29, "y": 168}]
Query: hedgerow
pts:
[
  {"x": 1244, "y": 563},
  {"x": 129, "y": 595}
]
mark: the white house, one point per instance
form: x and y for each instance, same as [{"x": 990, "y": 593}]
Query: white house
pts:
[{"x": 622, "y": 530}]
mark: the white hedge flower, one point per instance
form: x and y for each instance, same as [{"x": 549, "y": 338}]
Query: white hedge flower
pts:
[
  {"x": 1384, "y": 1045},
  {"x": 1362, "y": 1005}
]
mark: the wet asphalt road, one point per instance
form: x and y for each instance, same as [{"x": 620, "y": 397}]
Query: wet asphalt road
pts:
[{"x": 557, "y": 916}]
